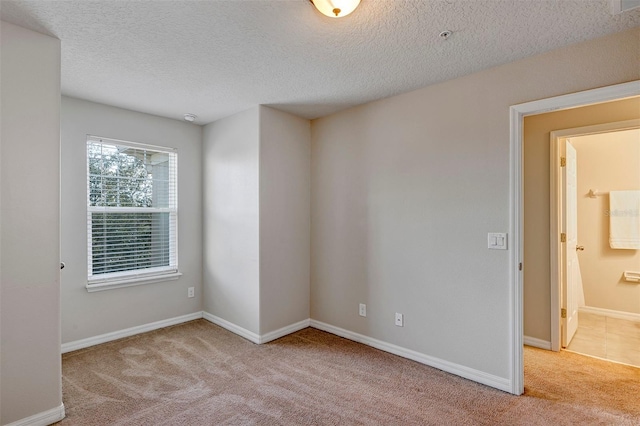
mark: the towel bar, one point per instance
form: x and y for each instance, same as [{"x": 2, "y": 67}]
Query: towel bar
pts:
[
  {"x": 593, "y": 193},
  {"x": 632, "y": 276}
]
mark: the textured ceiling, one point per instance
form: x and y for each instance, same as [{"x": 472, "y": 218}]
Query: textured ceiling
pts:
[{"x": 215, "y": 58}]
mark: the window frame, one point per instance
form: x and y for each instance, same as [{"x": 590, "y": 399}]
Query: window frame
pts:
[{"x": 118, "y": 279}]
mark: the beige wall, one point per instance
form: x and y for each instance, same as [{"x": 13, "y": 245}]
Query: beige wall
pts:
[
  {"x": 284, "y": 219},
  {"x": 256, "y": 197},
  {"x": 231, "y": 217},
  {"x": 607, "y": 162},
  {"x": 86, "y": 314},
  {"x": 404, "y": 191},
  {"x": 537, "y": 128},
  {"x": 30, "y": 230}
]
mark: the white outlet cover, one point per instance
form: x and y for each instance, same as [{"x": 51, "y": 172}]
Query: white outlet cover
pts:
[{"x": 399, "y": 320}]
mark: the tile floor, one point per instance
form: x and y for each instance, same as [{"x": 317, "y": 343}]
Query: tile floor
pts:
[{"x": 608, "y": 338}]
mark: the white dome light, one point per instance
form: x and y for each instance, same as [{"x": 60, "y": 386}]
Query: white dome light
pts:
[{"x": 336, "y": 8}]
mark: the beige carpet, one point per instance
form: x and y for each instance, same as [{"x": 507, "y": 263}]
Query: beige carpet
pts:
[{"x": 199, "y": 374}]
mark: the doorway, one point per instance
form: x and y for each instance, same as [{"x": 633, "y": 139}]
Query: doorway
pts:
[
  {"x": 540, "y": 315},
  {"x": 599, "y": 309}
]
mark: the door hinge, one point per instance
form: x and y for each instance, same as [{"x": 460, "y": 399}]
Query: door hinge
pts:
[
  {"x": 520, "y": 266},
  {"x": 563, "y": 161},
  {"x": 563, "y": 238},
  {"x": 563, "y": 313}
]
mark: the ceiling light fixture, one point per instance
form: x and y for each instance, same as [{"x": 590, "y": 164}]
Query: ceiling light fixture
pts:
[
  {"x": 190, "y": 117},
  {"x": 335, "y": 8}
]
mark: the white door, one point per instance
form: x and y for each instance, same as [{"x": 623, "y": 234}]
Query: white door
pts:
[{"x": 569, "y": 255}]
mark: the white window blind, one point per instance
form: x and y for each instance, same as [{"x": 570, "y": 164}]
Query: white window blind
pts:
[{"x": 132, "y": 208}]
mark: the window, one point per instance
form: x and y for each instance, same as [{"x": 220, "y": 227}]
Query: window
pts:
[{"x": 132, "y": 208}]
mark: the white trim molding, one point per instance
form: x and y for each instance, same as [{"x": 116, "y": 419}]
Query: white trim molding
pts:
[
  {"x": 132, "y": 282},
  {"x": 276, "y": 334},
  {"x": 629, "y": 316},
  {"x": 235, "y": 329},
  {"x": 449, "y": 367},
  {"x": 42, "y": 419},
  {"x": 516, "y": 220},
  {"x": 621, "y": 6},
  {"x": 115, "y": 335},
  {"x": 537, "y": 343},
  {"x": 249, "y": 335},
  {"x": 557, "y": 139},
  {"x": 517, "y": 114},
  {"x": 254, "y": 337}
]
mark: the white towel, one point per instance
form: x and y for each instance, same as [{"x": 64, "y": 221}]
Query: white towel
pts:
[{"x": 624, "y": 219}]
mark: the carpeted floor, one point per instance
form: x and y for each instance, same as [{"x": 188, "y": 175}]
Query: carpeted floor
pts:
[{"x": 200, "y": 374}]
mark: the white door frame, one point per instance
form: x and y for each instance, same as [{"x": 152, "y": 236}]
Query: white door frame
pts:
[
  {"x": 517, "y": 114},
  {"x": 555, "y": 217}
]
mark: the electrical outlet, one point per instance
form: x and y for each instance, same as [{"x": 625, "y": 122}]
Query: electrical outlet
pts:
[
  {"x": 399, "y": 320},
  {"x": 363, "y": 310},
  {"x": 191, "y": 292}
]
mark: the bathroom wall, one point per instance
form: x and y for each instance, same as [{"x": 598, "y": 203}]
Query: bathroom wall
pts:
[
  {"x": 606, "y": 162},
  {"x": 537, "y": 256}
]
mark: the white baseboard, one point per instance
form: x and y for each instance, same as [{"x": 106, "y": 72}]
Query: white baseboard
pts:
[
  {"x": 115, "y": 335},
  {"x": 250, "y": 335},
  {"x": 42, "y": 419},
  {"x": 273, "y": 335},
  {"x": 537, "y": 343},
  {"x": 459, "y": 370},
  {"x": 236, "y": 329},
  {"x": 629, "y": 316}
]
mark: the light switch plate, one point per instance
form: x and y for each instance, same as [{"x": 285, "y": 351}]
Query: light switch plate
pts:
[{"x": 497, "y": 240}]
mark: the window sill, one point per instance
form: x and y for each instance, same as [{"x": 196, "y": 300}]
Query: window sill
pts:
[{"x": 131, "y": 282}]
